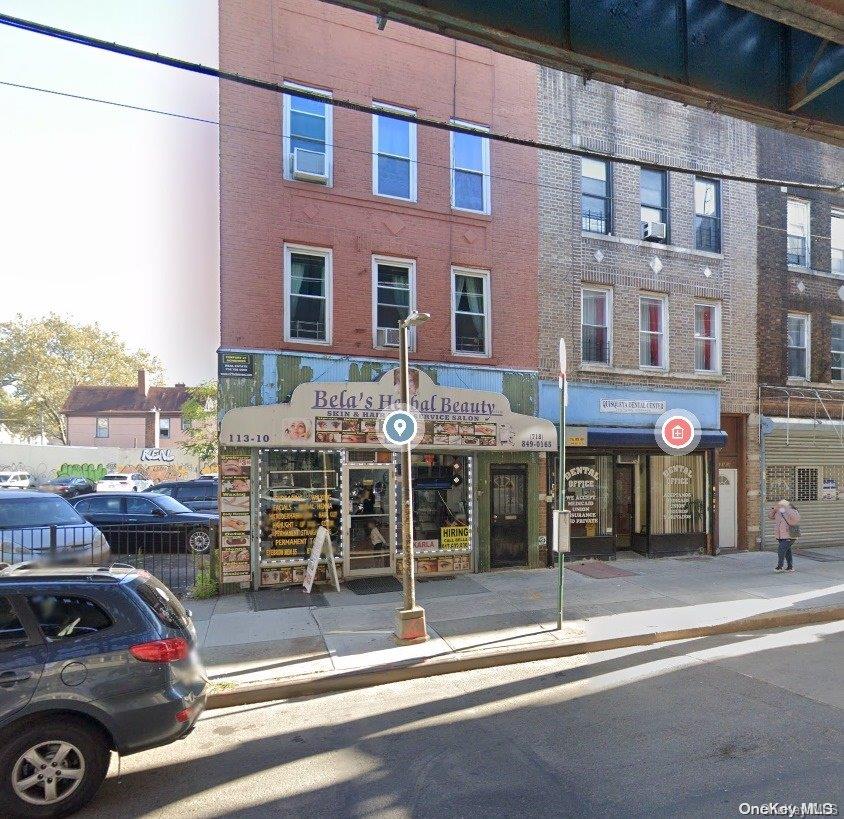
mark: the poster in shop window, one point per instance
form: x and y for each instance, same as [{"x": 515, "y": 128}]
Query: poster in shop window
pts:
[
  {"x": 235, "y": 519},
  {"x": 582, "y": 499},
  {"x": 677, "y": 481}
]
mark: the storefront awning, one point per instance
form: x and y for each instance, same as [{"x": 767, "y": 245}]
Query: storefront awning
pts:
[{"x": 643, "y": 437}]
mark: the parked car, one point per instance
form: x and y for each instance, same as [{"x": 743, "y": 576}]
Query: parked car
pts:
[
  {"x": 153, "y": 522},
  {"x": 68, "y": 486},
  {"x": 94, "y": 661},
  {"x": 200, "y": 495},
  {"x": 38, "y": 527},
  {"x": 16, "y": 480},
  {"x": 120, "y": 482}
]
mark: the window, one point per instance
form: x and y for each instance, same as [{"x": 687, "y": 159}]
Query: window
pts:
[
  {"x": 652, "y": 322},
  {"x": 12, "y": 633},
  {"x": 163, "y": 427},
  {"x": 798, "y": 346},
  {"x": 139, "y": 506},
  {"x": 653, "y": 193},
  {"x": 185, "y": 424},
  {"x": 470, "y": 322},
  {"x": 595, "y": 326},
  {"x": 393, "y": 155},
  {"x": 595, "y": 196},
  {"x": 102, "y": 428},
  {"x": 393, "y": 291},
  {"x": 99, "y": 506},
  {"x": 307, "y": 284},
  {"x": 678, "y": 494},
  {"x": 163, "y": 603},
  {"x": 838, "y": 351},
  {"x": 61, "y": 617},
  {"x": 798, "y": 233},
  {"x": 708, "y": 215},
  {"x": 201, "y": 491},
  {"x": 307, "y": 137},
  {"x": 807, "y": 483},
  {"x": 779, "y": 483},
  {"x": 470, "y": 170},
  {"x": 707, "y": 337},
  {"x": 836, "y": 235}
]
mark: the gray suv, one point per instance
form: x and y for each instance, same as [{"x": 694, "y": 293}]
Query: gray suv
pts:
[{"x": 91, "y": 661}]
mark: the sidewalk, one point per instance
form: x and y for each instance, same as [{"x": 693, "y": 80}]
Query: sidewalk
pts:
[{"x": 483, "y": 613}]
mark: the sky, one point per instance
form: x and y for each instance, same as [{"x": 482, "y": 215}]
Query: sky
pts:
[{"x": 109, "y": 215}]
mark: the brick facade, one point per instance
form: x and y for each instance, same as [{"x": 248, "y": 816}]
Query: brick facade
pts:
[{"x": 319, "y": 45}]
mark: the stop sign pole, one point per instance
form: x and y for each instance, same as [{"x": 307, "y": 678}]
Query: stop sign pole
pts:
[{"x": 561, "y": 463}]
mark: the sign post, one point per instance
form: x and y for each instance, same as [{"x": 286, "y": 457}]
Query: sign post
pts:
[{"x": 561, "y": 492}]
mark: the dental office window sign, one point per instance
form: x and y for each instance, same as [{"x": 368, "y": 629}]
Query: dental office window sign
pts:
[{"x": 348, "y": 415}]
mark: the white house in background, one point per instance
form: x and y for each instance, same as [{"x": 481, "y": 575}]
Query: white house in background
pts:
[{"x": 9, "y": 437}]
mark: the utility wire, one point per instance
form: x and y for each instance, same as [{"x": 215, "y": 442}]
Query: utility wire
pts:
[{"x": 197, "y": 68}]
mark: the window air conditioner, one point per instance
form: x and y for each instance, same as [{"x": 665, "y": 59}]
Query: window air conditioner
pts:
[
  {"x": 309, "y": 165},
  {"x": 655, "y": 231},
  {"x": 388, "y": 336}
]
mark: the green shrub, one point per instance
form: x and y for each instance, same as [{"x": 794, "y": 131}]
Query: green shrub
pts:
[{"x": 204, "y": 587}]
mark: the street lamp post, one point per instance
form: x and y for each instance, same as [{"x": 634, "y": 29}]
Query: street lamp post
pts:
[{"x": 410, "y": 620}]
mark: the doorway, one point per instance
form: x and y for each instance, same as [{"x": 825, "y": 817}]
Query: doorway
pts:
[
  {"x": 369, "y": 520},
  {"x": 623, "y": 505},
  {"x": 727, "y": 508},
  {"x": 508, "y": 538}
]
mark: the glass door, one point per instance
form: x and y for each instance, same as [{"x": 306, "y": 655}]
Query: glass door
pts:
[{"x": 369, "y": 522}]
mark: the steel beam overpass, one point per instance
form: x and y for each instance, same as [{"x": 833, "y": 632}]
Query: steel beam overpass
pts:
[{"x": 774, "y": 62}]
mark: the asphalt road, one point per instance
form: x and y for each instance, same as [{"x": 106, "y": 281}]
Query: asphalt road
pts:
[{"x": 691, "y": 729}]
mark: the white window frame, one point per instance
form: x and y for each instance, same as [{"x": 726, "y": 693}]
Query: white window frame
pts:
[
  {"x": 807, "y": 319},
  {"x": 485, "y": 161},
  {"x": 328, "y": 255},
  {"x": 382, "y": 106},
  {"x": 329, "y": 132},
  {"x": 483, "y": 274},
  {"x": 835, "y": 320},
  {"x": 836, "y": 214},
  {"x": 804, "y": 203},
  {"x": 717, "y": 329},
  {"x": 398, "y": 262},
  {"x": 607, "y": 291},
  {"x": 164, "y": 422},
  {"x": 663, "y": 300},
  {"x": 97, "y": 427}
]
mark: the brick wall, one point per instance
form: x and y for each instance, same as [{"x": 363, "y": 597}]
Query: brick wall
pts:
[{"x": 316, "y": 44}]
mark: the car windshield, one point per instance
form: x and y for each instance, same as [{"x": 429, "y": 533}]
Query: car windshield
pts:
[
  {"x": 4, "y": 476},
  {"x": 114, "y": 478},
  {"x": 37, "y": 512},
  {"x": 171, "y": 504},
  {"x": 65, "y": 481}
]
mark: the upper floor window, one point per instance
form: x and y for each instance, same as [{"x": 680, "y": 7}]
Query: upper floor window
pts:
[
  {"x": 596, "y": 195},
  {"x": 307, "y": 294},
  {"x": 163, "y": 427},
  {"x": 470, "y": 170},
  {"x": 838, "y": 350},
  {"x": 708, "y": 215},
  {"x": 798, "y": 233},
  {"x": 836, "y": 235},
  {"x": 393, "y": 155},
  {"x": 101, "y": 429},
  {"x": 393, "y": 290},
  {"x": 798, "y": 346},
  {"x": 653, "y": 194},
  {"x": 307, "y": 137},
  {"x": 707, "y": 337},
  {"x": 470, "y": 319},
  {"x": 652, "y": 322},
  {"x": 595, "y": 326},
  {"x": 185, "y": 424}
]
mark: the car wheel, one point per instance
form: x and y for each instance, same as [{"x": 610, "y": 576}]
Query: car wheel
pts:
[
  {"x": 51, "y": 768},
  {"x": 199, "y": 541}
]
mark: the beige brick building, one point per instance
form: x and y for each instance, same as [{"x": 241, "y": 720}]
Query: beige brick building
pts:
[{"x": 668, "y": 318}]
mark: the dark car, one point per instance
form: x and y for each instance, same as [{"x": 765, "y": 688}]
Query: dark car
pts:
[
  {"x": 148, "y": 521},
  {"x": 91, "y": 661},
  {"x": 68, "y": 486},
  {"x": 200, "y": 495}
]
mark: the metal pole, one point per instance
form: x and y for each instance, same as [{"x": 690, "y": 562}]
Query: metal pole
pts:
[
  {"x": 408, "y": 567},
  {"x": 561, "y": 495}
]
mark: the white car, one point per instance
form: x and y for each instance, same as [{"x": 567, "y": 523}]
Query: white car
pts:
[
  {"x": 16, "y": 480},
  {"x": 120, "y": 482}
]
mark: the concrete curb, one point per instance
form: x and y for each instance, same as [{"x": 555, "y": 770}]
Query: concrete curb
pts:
[{"x": 331, "y": 682}]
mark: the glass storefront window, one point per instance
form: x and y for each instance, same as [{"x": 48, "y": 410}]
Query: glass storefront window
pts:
[
  {"x": 440, "y": 503},
  {"x": 678, "y": 494},
  {"x": 588, "y": 482}
]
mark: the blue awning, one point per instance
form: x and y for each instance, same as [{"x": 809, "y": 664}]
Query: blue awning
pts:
[{"x": 643, "y": 437}]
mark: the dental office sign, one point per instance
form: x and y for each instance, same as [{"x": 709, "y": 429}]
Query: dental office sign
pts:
[
  {"x": 347, "y": 415},
  {"x": 632, "y": 406}
]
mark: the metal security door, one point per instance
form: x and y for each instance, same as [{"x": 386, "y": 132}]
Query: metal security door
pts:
[
  {"x": 727, "y": 505},
  {"x": 369, "y": 520},
  {"x": 508, "y": 516}
]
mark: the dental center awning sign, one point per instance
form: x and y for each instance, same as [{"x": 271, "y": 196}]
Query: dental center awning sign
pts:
[{"x": 346, "y": 415}]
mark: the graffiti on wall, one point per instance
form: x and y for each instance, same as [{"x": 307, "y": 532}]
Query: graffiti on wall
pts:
[{"x": 154, "y": 472}]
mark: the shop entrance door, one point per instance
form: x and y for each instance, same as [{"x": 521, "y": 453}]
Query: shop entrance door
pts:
[
  {"x": 508, "y": 516},
  {"x": 369, "y": 520},
  {"x": 623, "y": 505}
]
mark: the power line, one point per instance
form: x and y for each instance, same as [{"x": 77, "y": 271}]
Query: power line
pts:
[{"x": 265, "y": 85}]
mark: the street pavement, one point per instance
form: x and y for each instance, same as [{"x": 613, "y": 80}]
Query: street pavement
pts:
[
  {"x": 685, "y": 729},
  {"x": 484, "y": 613}
]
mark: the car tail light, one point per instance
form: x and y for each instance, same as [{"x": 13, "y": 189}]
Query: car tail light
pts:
[
  {"x": 169, "y": 650},
  {"x": 183, "y": 715}
]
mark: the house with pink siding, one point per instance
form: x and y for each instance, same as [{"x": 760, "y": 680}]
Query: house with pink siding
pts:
[{"x": 131, "y": 417}]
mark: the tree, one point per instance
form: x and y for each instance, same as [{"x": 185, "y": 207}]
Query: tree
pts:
[
  {"x": 200, "y": 411},
  {"x": 42, "y": 359}
]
